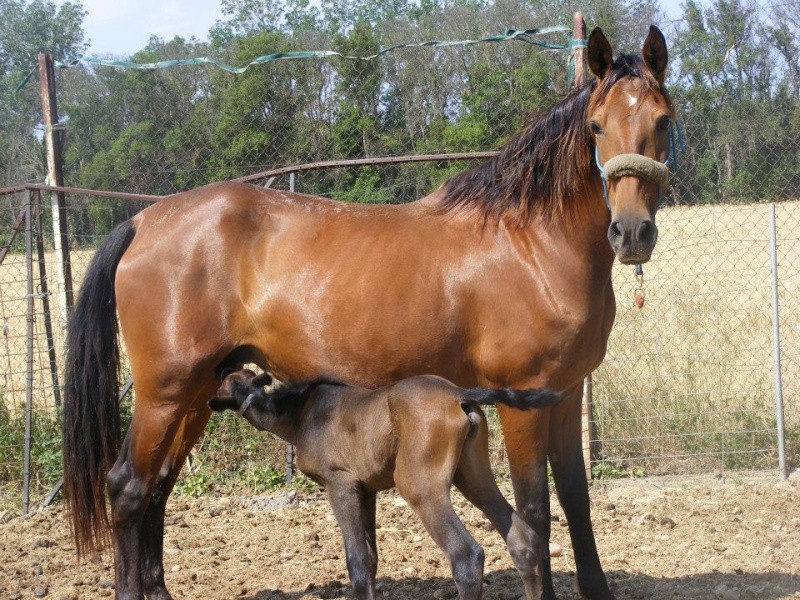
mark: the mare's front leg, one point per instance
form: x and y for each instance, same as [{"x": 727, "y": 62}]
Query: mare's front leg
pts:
[
  {"x": 566, "y": 460},
  {"x": 525, "y": 434},
  {"x": 354, "y": 509}
]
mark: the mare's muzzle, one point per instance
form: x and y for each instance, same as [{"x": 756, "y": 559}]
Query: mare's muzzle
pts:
[{"x": 633, "y": 234}]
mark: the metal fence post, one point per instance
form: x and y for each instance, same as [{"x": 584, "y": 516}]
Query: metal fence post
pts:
[
  {"x": 776, "y": 343},
  {"x": 44, "y": 292},
  {"x": 26, "y": 452}
]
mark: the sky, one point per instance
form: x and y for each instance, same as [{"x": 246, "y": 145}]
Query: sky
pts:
[{"x": 121, "y": 27}]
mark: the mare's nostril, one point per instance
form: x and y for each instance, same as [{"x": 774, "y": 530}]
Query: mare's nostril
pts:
[
  {"x": 644, "y": 232},
  {"x": 615, "y": 229}
]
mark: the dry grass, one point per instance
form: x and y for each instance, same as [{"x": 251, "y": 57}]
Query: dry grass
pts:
[{"x": 688, "y": 381}]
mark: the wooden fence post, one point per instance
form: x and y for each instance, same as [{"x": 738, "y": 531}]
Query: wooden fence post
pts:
[
  {"x": 587, "y": 422},
  {"x": 55, "y": 174}
]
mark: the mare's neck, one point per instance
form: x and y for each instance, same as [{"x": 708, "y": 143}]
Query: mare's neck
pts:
[{"x": 578, "y": 233}]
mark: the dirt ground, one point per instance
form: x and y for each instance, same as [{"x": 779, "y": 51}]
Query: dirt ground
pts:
[{"x": 734, "y": 539}]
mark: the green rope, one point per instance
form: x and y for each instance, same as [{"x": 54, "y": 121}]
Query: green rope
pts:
[
  {"x": 524, "y": 35},
  {"x": 571, "y": 60},
  {"x": 26, "y": 80}
]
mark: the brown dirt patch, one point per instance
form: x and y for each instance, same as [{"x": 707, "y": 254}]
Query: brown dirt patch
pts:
[{"x": 730, "y": 540}]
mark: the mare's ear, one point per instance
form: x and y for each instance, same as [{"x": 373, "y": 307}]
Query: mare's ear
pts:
[
  {"x": 599, "y": 53},
  {"x": 654, "y": 52},
  {"x": 220, "y": 404}
]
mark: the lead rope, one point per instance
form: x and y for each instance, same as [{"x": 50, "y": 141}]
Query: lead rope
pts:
[{"x": 638, "y": 291}]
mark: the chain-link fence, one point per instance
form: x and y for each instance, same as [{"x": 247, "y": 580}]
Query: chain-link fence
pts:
[{"x": 688, "y": 385}]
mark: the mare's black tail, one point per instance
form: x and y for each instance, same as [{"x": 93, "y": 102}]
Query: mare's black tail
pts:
[
  {"x": 91, "y": 427},
  {"x": 519, "y": 399}
]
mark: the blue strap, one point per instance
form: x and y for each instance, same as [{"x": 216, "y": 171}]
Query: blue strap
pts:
[{"x": 602, "y": 175}]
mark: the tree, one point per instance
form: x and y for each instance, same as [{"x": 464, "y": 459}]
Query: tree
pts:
[{"x": 28, "y": 29}]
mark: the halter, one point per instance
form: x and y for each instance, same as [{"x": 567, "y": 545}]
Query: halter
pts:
[
  {"x": 644, "y": 167},
  {"x": 247, "y": 402}
]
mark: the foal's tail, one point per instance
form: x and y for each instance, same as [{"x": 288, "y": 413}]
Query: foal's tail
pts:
[
  {"x": 91, "y": 426},
  {"x": 519, "y": 399}
]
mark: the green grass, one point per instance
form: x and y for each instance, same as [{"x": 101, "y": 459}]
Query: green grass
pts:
[{"x": 45, "y": 455}]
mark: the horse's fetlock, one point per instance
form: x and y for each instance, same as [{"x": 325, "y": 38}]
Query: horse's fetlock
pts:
[{"x": 468, "y": 566}]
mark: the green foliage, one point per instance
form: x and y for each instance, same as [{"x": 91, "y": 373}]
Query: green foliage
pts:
[
  {"x": 605, "y": 469},
  {"x": 28, "y": 28},
  {"x": 738, "y": 102},
  {"x": 366, "y": 188},
  {"x": 193, "y": 485},
  {"x": 45, "y": 449}
]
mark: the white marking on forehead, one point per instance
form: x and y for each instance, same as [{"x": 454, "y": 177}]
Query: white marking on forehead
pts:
[{"x": 631, "y": 99}]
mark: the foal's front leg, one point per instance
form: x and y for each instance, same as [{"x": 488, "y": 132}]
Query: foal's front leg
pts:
[{"x": 354, "y": 509}]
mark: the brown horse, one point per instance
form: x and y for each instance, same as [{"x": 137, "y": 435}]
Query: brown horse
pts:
[{"x": 500, "y": 278}]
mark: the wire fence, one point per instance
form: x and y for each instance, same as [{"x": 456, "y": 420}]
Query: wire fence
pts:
[{"x": 688, "y": 385}]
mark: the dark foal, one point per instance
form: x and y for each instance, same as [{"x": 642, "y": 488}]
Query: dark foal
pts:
[{"x": 421, "y": 435}]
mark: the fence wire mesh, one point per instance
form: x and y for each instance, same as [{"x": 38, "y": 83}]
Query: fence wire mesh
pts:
[{"x": 688, "y": 383}]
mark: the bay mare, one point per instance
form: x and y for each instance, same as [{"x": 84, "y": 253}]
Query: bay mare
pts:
[{"x": 500, "y": 278}]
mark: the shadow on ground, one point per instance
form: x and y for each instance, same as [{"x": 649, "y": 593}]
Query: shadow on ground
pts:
[{"x": 505, "y": 585}]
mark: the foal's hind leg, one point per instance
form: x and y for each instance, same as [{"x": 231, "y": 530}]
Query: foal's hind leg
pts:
[
  {"x": 475, "y": 479},
  {"x": 426, "y": 461},
  {"x": 152, "y": 566}
]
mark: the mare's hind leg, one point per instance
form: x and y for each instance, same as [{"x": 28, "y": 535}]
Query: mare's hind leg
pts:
[
  {"x": 152, "y": 566},
  {"x": 130, "y": 485},
  {"x": 475, "y": 479},
  {"x": 138, "y": 486}
]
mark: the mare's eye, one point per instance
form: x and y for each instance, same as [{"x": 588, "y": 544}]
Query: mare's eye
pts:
[
  {"x": 595, "y": 128},
  {"x": 663, "y": 123}
]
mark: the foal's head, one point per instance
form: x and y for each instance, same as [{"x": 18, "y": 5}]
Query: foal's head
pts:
[
  {"x": 629, "y": 116},
  {"x": 239, "y": 389}
]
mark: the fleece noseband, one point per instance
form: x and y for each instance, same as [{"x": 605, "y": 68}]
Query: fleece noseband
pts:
[{"x": 637, "y": 165}]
